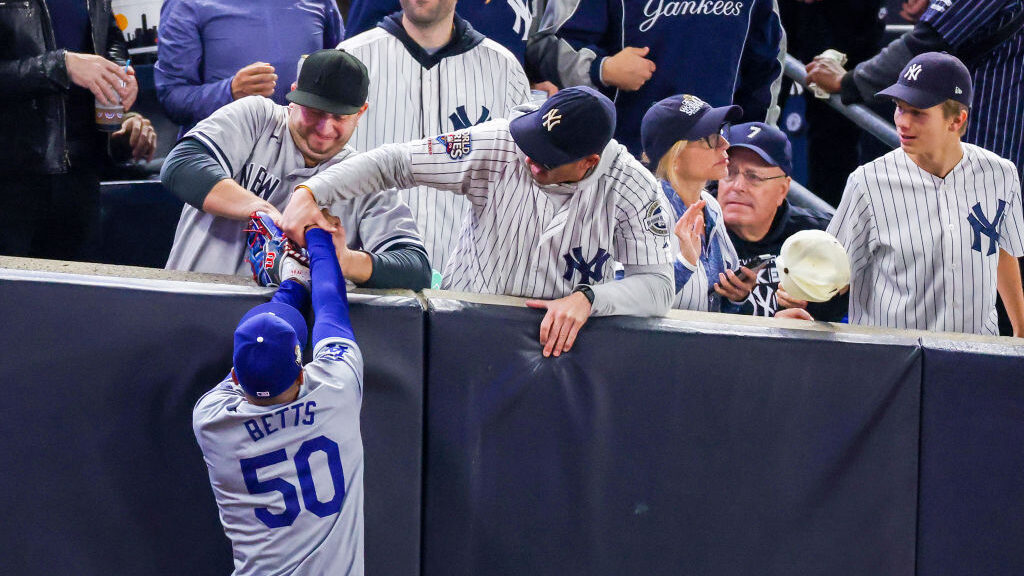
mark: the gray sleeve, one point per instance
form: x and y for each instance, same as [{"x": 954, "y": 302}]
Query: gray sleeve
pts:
[
  {"x": 190, "y": 171},
  {"x": 871, "y": 76},
  {"x": 400, "y": 267},
  {"x": 388, "y": 166},
  {"x": 551, "y": 58},
  {"x": 645, "y": 291}
]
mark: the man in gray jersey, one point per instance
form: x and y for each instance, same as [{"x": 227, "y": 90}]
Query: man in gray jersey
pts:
[
  {"x": 933, "y": 228},
  {"x": 431, "y": 73},
  {"x": 249, "y": 154},
  {"x": 553, "y": 202},
  {"x": 281, "y": 442}
]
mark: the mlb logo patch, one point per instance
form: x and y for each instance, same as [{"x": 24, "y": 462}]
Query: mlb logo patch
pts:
[{"x": 457, "y": 145}]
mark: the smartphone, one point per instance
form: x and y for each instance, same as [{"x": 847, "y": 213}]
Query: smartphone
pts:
[{"x": 754, "y": 263}]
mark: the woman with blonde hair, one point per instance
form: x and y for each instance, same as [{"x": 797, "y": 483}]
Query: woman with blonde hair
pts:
[{"x": 684, "y": 145}]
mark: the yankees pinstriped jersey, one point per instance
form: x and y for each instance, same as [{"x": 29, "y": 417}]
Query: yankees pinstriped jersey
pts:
[
  {"x": 924, "y": 250},
  {"x": 251, "y": 141},
  {"x": 695, "y": 284},
  {"x": 997, "y": 117},
  {"x": 522, "y": 239},
  {"x": 288, "y": 479},
  {"x": 414, "y": 94}
]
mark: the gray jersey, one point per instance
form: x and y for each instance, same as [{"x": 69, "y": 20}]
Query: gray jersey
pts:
[
  {"x": 251, "y": 141},
  {"x": 522, "y": 239},
  {"x": 288, "y": 479},
  {"x": 924, "y": 250},
  {"x": 409, "y": 100}
]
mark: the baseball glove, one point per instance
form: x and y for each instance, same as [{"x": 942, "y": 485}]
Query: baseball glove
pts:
[{"x": 272, "y": 257}]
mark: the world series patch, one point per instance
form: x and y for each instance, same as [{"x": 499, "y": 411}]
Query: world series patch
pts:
[
  {"x": 457, "y": 145},
  {"x": 654, "y": 219}
]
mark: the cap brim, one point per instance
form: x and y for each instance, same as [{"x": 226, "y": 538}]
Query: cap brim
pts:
[
  {"x": 761, "y": 153},
  {"x": 289, "y": 314},
  {"x": 913, "y": 96},
  {"x": 712, "y": 120},
  {"x": 530, "y": 138},
  {"x": 320, "y": 103}
]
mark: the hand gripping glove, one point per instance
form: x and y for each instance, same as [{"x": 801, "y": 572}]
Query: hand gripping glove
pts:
[{"x": 272, "y": 257}]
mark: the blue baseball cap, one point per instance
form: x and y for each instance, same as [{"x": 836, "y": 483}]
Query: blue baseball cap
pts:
[
  {"x": 574, "y": 123},
  {"x": 268, "y": 349},
  {"x": 930, "y": 79},
  {"x": 681, "y": 117},
  {"x": 768, "y": 142}
]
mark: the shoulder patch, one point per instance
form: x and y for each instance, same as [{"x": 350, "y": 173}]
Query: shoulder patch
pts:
[
  {"x": 457, "y": 145},
  {"x": 333, "y": 351},
  {"x": 654, "y": 219}
]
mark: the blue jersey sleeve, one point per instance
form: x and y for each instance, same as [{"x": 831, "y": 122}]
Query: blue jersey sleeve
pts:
[{"x": 330, "y": 298}]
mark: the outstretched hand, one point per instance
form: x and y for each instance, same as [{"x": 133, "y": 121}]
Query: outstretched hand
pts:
[
  {"x": 562, "y": 322},
  {"x": 302, "y": 212}
]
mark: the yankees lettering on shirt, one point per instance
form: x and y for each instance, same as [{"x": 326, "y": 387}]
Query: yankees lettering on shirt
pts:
[
  {"x": 414, "y": 95},
  {"x": 655, "y": 9},
  {"x": 264, "y": 184},
  {"x": 924, "y": 250}
]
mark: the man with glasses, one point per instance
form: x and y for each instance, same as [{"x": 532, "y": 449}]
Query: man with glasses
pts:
[
  {"x": 759, "y": 218},
  {"x": 248, "y": 156},
  {"x": 554, "y": 202}
]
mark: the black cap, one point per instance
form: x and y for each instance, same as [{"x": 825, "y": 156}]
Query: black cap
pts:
[
  {"x": 333, "y": 81},
  {"x": 573, "y": 124}
]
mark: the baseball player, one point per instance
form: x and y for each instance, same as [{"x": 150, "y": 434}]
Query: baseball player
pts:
[
  {"x": 432, "y": 73},
  {"x": 281, "y": 442},
  {"x": 933, "y": 228},
  {"x": 554, "y": 200},
  {"x": 248, "y": 155}
]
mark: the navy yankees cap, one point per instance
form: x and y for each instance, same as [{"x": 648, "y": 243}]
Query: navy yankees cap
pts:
[
  {"x": 932, "y": 78},
  {"x": 681, "y": 117},
  {"x": 268, "y": 349},
  {"x": 768, "y": 142},
  {"x": 574, "y": 123},
  {"x": 333, "y": 81}
]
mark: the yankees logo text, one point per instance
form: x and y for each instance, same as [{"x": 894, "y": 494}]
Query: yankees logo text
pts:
[
  {"x": 982, "y": 227},
  {"x": 590, "y": 271},
  {"x": 655, "y": 9},
  {"x": 258, "y": 180},
  {"x": 551, "y": 119},
  {"x": 913, "y": 72},
  {"x": 300, "y": 414}
]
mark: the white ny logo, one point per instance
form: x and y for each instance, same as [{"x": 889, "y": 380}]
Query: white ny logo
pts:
[
  {"x": 913, "y": 72},
  {"x": 552, "y": 119},
  {"x": 524, "y": 18}
]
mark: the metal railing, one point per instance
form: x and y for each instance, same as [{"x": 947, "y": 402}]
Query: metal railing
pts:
[{"x": 859, "y": 114}]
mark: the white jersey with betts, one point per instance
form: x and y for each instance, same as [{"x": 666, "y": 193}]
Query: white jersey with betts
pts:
[
  {"x": 924, "y": 250},
  {"x": 409, "y": 101},
  {"x": 288, "y": 479},
  {"x": 523, "y": 239},
  {"x": 250, "y": 139}
]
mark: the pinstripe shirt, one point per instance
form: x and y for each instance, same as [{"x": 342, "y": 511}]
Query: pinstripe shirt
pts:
[
  {"x": 997, "y": 117},
  {"x": 523, "y": 239},
  {"x": 924, "y": 250}
]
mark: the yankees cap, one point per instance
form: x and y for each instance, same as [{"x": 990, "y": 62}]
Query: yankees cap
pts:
[
  {"x": 574, "y": 123},
  {"x": 333, "y": 81},
  {"x": 813, "y": 266},
  {"x": 932, "y": 78},
  {"x": 768, "y": 142},
  {"x": 268, "y": 349},
  {"x": 681, "y": 117}
]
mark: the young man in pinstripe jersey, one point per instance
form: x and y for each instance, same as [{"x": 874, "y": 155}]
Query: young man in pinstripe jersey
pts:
[
  {"x": 933, "y": 229},
  {"x": 554, "y": 202}
]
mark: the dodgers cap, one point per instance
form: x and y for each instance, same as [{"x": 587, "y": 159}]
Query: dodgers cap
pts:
[
  {"x": 681, "y": 117},
  {"x": 813, "y": 266},
  {"x": 268, "y": 349},
  {"x": 333, "y": 81},
  {"x": 768, "y": 142},
  {"x": 930, "y": 79},
  {"x": 574, "y": 123}
]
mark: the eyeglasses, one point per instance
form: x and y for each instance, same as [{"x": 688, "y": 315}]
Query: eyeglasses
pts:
[
  {"x": 714, "y": 141},
  {"x": 751, "y": 178}
]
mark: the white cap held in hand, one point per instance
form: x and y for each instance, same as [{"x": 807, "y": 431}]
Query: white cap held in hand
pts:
[{"x": 813, "y": 266}]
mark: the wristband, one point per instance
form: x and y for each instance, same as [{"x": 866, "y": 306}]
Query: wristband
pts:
[{"x": 587, "y": 292}]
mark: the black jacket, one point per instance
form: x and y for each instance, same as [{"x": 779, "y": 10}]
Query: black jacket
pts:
[{"x": 33, "y": 102}]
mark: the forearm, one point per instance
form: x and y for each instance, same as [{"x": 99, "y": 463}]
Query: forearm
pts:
[
  {"x": 645, "y": 291},
  {"x": 39, "y": 75},
  {"x": 187, "y": 104},
  {"x": 404, "y": 267},
  {"x": 1008, "y": 284},
  {"x": 330, "y": 298},
  {"x": 869, "y": 77},
  {"x": 229, "y": 200},
  {"x": 190, "y": 172},
  {"x": 565, "y": 48},
  {"x": 388, "y": 166}
]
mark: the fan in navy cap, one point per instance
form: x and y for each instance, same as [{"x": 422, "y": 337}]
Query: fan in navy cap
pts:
[
  {"x": 684, "y": 141},
  {"x": 759, "y": 218}
]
